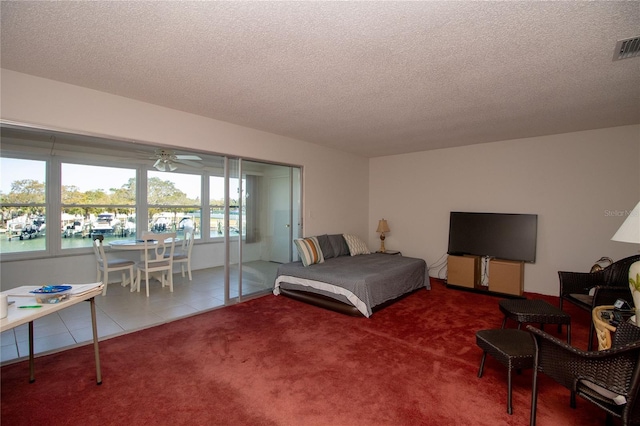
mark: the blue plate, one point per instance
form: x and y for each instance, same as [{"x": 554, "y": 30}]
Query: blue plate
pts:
[{"x": 51, "y": 289}]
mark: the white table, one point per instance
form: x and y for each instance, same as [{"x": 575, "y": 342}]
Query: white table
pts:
[
  {"x": 17, "y": 316},
  {"x": 131, "y": 244},
  {"x": 126, "y": 245}
]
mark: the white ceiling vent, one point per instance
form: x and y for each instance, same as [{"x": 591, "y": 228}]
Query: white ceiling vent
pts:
[{"x": 627, "y": 48}]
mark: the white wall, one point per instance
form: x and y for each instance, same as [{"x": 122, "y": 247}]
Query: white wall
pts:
[
  {"x": 335, "y": 184},
  {"x": 578, "y": 184}
]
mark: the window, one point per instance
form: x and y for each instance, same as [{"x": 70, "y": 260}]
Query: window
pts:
[
  {"x": 23, "y": 196},
  {"x": 96, "y": 200},
  {"x": 174, "y": 202}
]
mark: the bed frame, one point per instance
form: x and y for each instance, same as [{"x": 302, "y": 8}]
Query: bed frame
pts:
[
  {"x": 322, "y": 301},
  {"x": 331, "y": 304}
]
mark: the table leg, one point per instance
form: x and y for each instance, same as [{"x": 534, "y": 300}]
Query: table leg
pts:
[
  {"x": 96, "y": 349},
  {"x": 32, "y": 367},
  {"x": 509, "y": 392}
]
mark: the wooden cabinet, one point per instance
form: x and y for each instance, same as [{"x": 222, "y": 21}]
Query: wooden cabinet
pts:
[
  {"x": 504, "y": 276},
  {"x": 463, "y": 271}
]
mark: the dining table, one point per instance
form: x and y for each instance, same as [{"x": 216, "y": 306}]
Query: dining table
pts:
[
  {"x": 127, "y": 244},
  {"x": 132, "y": 245}
]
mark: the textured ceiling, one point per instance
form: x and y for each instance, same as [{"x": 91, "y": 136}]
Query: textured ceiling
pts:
[{"x": 371, "y": 78}]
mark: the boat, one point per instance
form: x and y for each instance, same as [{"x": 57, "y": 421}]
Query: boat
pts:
[
  {"x": 29, "y": 231},
  {"x": 14, "y": 230},
  {"x": 40, "y": 224},
  {"x": 161, "y": 224},
  {"x": 105, "y": 224},
  {"x": 186, "y": 222},
  {"x": 78, "y": 227},
  {"x": 129, "y": 228},
  {"x": 20, "y": 228}
]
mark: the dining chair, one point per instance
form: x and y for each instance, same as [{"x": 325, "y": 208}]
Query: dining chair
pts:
[
  {"x": 105, "y": 265},
  {"x": 183, "y": 254},
  {"x": 158, "y": 257}
]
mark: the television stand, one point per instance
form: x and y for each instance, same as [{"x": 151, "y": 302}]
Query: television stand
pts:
[{"x": 506, "y": 277}]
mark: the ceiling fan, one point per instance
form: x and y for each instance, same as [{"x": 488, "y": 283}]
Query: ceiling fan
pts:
[{"x": 166, "y": 160}]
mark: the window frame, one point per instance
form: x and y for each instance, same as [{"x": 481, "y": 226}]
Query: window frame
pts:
[
  {"x": 171, "y": 207},
  {"x": 107, "y": 207},
  {"x": 46, "y": 205}
]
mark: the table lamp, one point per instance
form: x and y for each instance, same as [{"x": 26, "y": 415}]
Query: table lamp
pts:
[
  {"x": 629, "y": 232},
  {"x": 382, "y": 228}
]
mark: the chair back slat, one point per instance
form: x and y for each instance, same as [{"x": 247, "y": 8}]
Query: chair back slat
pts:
[
  {"x": 158, "y": 257},
  {"x": 158, "y": 249}
]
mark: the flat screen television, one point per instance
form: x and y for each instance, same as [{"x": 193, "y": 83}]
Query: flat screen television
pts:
[{"x": 506, "y": 236}]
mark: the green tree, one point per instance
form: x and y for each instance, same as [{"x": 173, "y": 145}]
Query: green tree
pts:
[
  {"x": 71, "y": 194},
  {"x": 25, "y": 191},
  {"x": 163, "y": 192},
  {"x": 126, "y": 194},
  {"x": 97, "y": 196}
]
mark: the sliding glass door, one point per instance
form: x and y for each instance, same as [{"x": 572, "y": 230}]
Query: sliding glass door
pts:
[{"x": 264, "y": 218}]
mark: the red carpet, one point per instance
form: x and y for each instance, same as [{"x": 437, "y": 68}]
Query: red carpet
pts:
[{"x": 275, "y": 361}]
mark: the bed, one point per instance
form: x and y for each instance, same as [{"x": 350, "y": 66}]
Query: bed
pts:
[{"x": 352, "y": 284}]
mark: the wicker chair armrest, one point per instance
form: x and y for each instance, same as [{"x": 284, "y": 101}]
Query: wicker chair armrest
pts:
[
  {"x": 613, "y": 369},
  {"x": 579, "y": 282}
]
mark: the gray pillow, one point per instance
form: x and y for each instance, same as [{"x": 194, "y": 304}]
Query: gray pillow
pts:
[
  {"x": 325, "y": 246},
  {"x": 340, "y": 247}
]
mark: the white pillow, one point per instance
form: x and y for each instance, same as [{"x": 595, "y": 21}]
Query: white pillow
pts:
[{"x": 356, "y": 245}]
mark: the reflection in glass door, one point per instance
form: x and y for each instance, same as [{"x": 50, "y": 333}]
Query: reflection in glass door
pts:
[{"x": 264, "y": 208}]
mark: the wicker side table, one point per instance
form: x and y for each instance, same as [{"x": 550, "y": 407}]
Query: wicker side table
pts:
[
  {"x": 534, "y": 311},
  {"x": 512, "y": 348}
]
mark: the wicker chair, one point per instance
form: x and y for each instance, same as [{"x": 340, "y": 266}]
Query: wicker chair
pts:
[
  {"x": 608, "y": 284},
  {"x": 597, "y": 376}
]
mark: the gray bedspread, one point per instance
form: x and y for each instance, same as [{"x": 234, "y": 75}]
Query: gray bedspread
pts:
[{"x": 371, "y": 278}]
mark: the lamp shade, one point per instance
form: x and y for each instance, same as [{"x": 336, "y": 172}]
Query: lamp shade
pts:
[
  {"x": 382, "y": 226},
  {"x": 629, "y": 231}
]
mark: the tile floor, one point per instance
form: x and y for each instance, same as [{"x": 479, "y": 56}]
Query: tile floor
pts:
[{"x": 120, "y": 311}]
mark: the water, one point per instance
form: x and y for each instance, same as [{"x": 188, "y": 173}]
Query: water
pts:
[{"x": 39, "y": 243}]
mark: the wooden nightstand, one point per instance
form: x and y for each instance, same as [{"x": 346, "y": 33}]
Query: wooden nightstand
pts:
[{"x": 391, "y": 252}]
